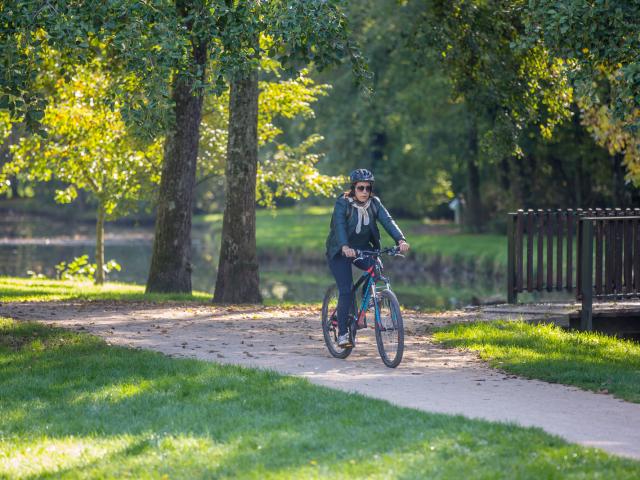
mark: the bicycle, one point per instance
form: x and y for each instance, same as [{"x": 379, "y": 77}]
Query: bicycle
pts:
[{"x": 388, "y": 325}]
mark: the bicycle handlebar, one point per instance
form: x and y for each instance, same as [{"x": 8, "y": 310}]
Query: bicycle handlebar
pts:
[{"x": 391, "y": 251}]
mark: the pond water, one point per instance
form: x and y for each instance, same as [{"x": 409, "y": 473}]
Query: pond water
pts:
[{"x": 37, "y": 244}]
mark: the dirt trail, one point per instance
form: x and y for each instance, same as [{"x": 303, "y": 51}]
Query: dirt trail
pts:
[{"x": 430, "y": 378}]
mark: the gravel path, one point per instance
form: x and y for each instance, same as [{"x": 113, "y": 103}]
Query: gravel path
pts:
[{"x": 430, "y": 377}]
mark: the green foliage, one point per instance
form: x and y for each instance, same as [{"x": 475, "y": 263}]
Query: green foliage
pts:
[
  {"x": 290, "y": 172},
  {"x": 415, "y": 131},
  {"x": 80, "y": 269},
  {"x": 595, "y": 37},
  {"x": 599, "y": 42},
  {"x": 507, "y": 83},
  {"x": 589, "y": 360},
  {"x": 146, "y": 415},
  {"x": 86, "y": 146},
  {"x": 283, "y": 171},
  {"x": 5, "y": 125},
  {"x": 408, "y": 131},
  {"x": 146, "y": 44},
  {"x": 614, "y": 135}
]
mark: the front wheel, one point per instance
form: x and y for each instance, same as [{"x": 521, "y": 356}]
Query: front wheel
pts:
[
  {"x": 389, "y": 329},
  {"x": 330, "y": 324}
]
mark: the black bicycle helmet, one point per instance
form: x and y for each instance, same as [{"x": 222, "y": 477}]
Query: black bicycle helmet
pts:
[{"x": 361, "y": 175}]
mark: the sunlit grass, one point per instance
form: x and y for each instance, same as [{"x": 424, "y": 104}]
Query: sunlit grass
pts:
[
  {"x": 586, "y": 359},
  {"x": 27, "y": 290},
  {"x": 73, "y": 407}
]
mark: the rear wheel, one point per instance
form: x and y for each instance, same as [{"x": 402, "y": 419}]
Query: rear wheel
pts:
[
  {"x": 390, "y": 329},
  {"x": 330, "y": 324}
]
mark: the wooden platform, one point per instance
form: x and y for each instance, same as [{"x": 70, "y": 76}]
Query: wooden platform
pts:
[{"x": 621, "y": 317}]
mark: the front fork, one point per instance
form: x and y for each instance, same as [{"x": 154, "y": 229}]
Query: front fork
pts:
[{"x": 370, "y": 292}]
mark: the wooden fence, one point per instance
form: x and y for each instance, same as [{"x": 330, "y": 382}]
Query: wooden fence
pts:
[{"x": 553, "y": 250}]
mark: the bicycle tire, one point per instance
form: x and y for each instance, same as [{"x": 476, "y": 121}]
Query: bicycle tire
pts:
[
  {"x": 392, "y": 324},
  {"x": 329, "y": 330}
]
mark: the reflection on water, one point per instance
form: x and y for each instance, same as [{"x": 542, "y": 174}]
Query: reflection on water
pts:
[{"x": 291, "y": 278}]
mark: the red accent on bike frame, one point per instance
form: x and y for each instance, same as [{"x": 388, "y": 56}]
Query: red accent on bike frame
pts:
[{"x": 370, "y": 271}]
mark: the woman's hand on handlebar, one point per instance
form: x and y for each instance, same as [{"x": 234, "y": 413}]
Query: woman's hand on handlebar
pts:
[
  {"x": 348, "y": 252},
  {"x": 404, "y": 246}
]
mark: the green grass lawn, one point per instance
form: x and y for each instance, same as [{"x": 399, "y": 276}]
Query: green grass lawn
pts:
[
  {"x": 26, "y": 290},
  {"x": 306, "y": 229},
  {"x": 588, "y": 360},
  {"x": 304, "y": 290},
  {"x": 73, "y": 407}
]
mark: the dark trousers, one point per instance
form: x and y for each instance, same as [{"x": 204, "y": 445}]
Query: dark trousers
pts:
[{"x": 340, "y": 267}]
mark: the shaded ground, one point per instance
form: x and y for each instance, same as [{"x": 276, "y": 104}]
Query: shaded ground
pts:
[{"x": 430, "y": 378}]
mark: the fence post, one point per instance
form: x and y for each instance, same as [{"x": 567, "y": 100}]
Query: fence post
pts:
[
  {"x": 586, "y": 261},
  {"x": 512, "y": 295}
]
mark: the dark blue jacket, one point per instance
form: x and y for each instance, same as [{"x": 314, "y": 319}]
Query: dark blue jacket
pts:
[{"x": 343, "y": 224}]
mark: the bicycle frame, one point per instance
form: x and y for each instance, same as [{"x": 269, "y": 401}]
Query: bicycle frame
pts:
[{"x": 372, "y": 276}]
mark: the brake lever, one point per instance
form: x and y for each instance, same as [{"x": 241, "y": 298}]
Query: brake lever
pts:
[{"x": 358, "y": 256}]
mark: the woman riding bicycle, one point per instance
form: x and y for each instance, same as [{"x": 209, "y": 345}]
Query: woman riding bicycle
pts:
[{"x": 352, "y": 229}]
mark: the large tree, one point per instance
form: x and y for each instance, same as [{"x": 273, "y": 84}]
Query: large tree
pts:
[
  {"x": 296, "y": 34},
  {"x": 85, "y": 145},
  {"x": 505, "y": 85},
  {"x": 169, "y": 55}
]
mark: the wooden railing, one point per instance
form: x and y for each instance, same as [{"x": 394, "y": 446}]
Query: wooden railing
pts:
[{"x": 560, "y": 250}]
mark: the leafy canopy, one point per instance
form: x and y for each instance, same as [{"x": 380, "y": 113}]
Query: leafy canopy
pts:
[
  {"x": 87, "y": 146},
  {"x": 596, "y": 37},
  {"x": 501, "y": 79},
  {"x": 153, "y": 42},
  {"x": 599, "y": 41}
]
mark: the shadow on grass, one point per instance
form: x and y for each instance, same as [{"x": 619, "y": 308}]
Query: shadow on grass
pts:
[{"x": 187, "y": 418}]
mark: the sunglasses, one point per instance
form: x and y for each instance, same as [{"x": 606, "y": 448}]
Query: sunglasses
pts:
[{"x": 363, "y": 188}]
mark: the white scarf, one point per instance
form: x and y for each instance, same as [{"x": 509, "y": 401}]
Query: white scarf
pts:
[{"x": 363, "y": 213}]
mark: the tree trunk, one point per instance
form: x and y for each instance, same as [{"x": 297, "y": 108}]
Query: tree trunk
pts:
[
  {"x": 237, "y": 280},
  {"x": 17, "y": 131},
  {"x": 474, "y": 202},
  {"x": 170, "y": 269},
  {"x": 377, "y": 147},
  {"x": 577, "y": 184},
  {"x": 100, "y": 245}
]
